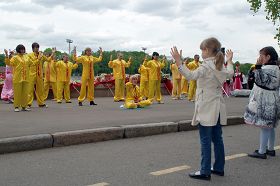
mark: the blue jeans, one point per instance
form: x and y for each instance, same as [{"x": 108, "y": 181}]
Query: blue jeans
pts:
[
  {"x": 267, "y": 139},
  {"x": 214, "y": 134}
]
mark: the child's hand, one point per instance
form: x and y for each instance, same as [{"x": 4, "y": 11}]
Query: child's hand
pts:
[
  {"x": 176, "y": 55},
  {"x": 229, "y": 56}
]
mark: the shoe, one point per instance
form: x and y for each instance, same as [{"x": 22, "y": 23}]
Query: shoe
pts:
[
  {"x": 17, "y": 109},
  {"x": 92, "y": 103},
  {"x": 197, "y": 175},
  {"x": 160, "y": 102},
  {"x": 25, "y": 109},
  {"x": 271, "y": 152},
  {"x": 59, "y": 102},
  {"x": 217, "y": 172},
  {"x": 256, "y": 154},
  {"x": 68, "y": 101},
  {"x": 80, "y": 104},
  {"x": 43, "y": 106}
]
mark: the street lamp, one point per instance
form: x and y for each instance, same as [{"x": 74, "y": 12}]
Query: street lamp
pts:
[
  {"x": 69, "y": 41},
  {"x": 144, "y": 49}
]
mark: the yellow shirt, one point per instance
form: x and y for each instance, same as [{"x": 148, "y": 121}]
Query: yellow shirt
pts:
[
  {"x": 21, "y": 67},
  {"x": 88, "y": 65},
  {"x": 132, "y": 92},
  {"x": 37, "y": 68},
  {"x": 64, "y": 70},
  {"x": 119, "y": 68},
  {"x": 155, "y": 69},
  {"x": 175, "y": 72},
  {"x": 50, "y": 71},
  {"x": 144, "y": 72},
  {"x": 193, "y": 65}
]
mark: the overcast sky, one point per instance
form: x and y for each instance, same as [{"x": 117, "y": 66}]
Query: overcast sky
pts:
[{"x": 132, "y": 24}]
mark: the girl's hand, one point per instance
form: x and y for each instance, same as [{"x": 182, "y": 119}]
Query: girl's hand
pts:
[
  {"x": 229, "y": 56},
  {"x": 6, "y": 52},
  {"x": 176, "y": 55},
  {"x": 259, "y": 62}
]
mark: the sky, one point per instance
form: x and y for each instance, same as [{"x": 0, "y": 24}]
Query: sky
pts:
[{"x": 132, "y": 24}]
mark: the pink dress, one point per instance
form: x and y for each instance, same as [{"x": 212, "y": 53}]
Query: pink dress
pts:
[
  {"x": 237, "y": 80},
  {"x": 7, "y": 90}
]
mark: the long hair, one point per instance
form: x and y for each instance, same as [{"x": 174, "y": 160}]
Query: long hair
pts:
[
  {"x": 272, "y": 53},
  {"x": 214, "y": 46}
]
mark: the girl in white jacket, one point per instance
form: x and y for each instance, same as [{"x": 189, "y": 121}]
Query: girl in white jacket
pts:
[{"x": 210, "y": 111}]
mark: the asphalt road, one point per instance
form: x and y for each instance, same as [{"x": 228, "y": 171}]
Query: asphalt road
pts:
[
  {"x": 130, "y": 162},
  {"x": 67, "y": 117}
]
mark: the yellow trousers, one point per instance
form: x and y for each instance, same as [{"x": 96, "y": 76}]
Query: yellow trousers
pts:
[
  {"x": 132, "y": 105},
  {"x": 119, "y": 89},
  {"x": 47, "y": 86},
  {"x": 154, "y": 90},
  {"x": 176, "y": 90},
  {"x": 192, "y": 90},
  {"x": 39, "y": 92},
  {"x": 87, "y": 87},
  {"x": 21, "y": 94},
  {"x": 144, "y": 89},
  {"x": 185, "y": 86},
  {"x": 63, "y": 87}
]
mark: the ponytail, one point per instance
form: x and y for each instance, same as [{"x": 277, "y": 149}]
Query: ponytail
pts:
[{"x": 220, "y": 60}]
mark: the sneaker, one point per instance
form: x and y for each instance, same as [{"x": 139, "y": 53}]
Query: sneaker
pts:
[
  {"x": 217, "y": 172},
  {"x": 43, "y": 106},
  {"x": 271, "y": 152},
  {"x": 80, "y": 104},
  {"x": 256, "y": 154},
  {"x": 198, "y": 175},
  {"x": 25, "y": 109},
  {"x": 92, "y": 103},
  {"x": 17, "y": 109}
]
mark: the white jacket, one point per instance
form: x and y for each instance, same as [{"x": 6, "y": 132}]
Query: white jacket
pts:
[{"x": 209, "y": 96}]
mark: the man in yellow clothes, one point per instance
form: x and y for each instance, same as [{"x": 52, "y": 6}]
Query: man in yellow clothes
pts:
[
  {"x": 133, "y": 98},
  {"x": 50, "y": 77},
  {"x": 118, "y": 65},
  {"x": 185, "y": 82},
  {"x": 144, "y": 80},
  {"x": 64, "y": 71},
  {"x": 21, "y": 64},
  {"x": 36, "y": 77},
  {"x": 192, "y": 88},
  {"x": 155, "y": 67},
  {"x": 87, "y": 81},
  {"x": 177, "y": 78}
]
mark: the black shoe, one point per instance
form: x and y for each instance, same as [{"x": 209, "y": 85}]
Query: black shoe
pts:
[
  {"x": 197, "y": 175},
  {"x": 271, "y": 152},
  {"x": 43, "y": 106},
  {"x": 92, "y": 103},
  {"x": 80, "y": 104},
  {"x": 59, "y": 102},
  {"x": 256, "y": 154},
  {"x": 68, "y": 101},
  {"x": 217, "y": 172}
]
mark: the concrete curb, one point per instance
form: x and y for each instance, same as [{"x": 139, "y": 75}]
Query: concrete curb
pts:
[
  {"x": 59, "y": 139},
  {"x": 87, "y": 136},
  {"x": 25, "y": 143}
]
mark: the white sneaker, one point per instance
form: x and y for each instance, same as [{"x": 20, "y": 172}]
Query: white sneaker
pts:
[
  {"x": 26, "y": 109},
  {"x": 17, "y": 110}
]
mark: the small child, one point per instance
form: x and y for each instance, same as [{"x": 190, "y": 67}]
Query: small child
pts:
[{"x": 8, "y": 91}]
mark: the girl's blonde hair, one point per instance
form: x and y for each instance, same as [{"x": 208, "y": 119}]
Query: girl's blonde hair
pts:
[{"x": 214, "y": 47}]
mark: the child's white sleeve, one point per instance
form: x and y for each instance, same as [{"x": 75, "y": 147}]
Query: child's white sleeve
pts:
[{"x": 192, "y": 75}]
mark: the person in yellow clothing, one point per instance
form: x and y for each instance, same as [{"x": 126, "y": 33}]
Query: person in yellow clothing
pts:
[
  {"x": 133, "y": 97},
  {"x": 64, "y": 71},
  {"x": 144, "y": 80},
  {"x": 118, "y": 65},
  {"x": 177, "y": 78},
  {"x": 21, "y": 64},
  {"x": 36, "y": 77},
  {"x": 87, "y": 80},
  {"x": 50, "y": 77},
  {"x": 192, "y": 88},
  {"x": 185, "y": 83},
  {"x": 155, "y": 67}
]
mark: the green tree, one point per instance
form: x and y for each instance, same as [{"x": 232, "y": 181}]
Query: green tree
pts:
[
  {"x": 272, "y": 9},
  {"x": 2, "y": 59}
]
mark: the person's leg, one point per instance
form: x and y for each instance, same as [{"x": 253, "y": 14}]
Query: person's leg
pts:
[
  {"x": 158, "y": 90},
  {"x": 271, "y": 139},
  {"x": 264, "y": 135},
  {"x": 130, "y": 105},
  {"x": 59, "y": 91},
  {"x": 83, "y": 90},
  {"x": 205, "y": 141},
  {"x": 122, "y": 87},
  {"x": 174, "y": 88},
  {"x": 46, "y": 89},
  {"x": 40, "y": 91},
  {"x": 54, "y": 89},
  {"x": 219, "y": 151},
  {"x": 152, "y": 89},
  {"x": 117, "y": 90},
  {"x": 17, "y": 94},
  {"x": 146, "y": 89},
  {"x": 179, "y": 89},
  {"x": 144, "y": 103},
  {"x": 31, "y": 91},
  {"x": 191, "y": 90},
  {"x": 90, "y": 90},
  {"x": 24, "y": 94},
  {"x": 67, "y": 92}
]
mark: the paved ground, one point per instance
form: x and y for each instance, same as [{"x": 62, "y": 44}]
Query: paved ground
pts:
[
  {"x": 66, "y": 117},
  {"x": 129, "y": 162}
]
